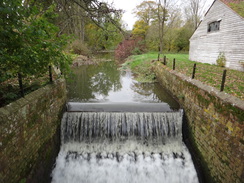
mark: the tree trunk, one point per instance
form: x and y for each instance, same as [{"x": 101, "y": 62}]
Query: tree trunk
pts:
[{"x": 161, "y": 24}]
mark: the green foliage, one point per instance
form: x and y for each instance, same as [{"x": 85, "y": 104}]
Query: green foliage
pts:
[
  {"x": 103, "y": 38},
  {"x": 141, "y": 65},
  {"x": 183, "y": 36},
  {"x": 146, "y": 11},
  {"x": 221, "y": 60},
  {"x": 11, "y": 96},
  {"x": 136, "y": 51},
  {"x": 29, "y": 41},
  {"x": 78, "y": 48},
  {"x": 140, "y": 29},
  {"x": 23, "y": 180}
]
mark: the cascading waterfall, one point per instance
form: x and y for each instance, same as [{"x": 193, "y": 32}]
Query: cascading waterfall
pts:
[
  {"x": 123, "y": 147},
  {"x": 92, "y": 126}
]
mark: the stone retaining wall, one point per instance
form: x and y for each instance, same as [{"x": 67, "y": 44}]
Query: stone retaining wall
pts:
[
  {"x": 29, "y": 130},
  {"x": 216, "y": 124}
]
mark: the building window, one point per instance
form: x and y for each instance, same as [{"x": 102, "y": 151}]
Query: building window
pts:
[{"x": 213, "y": 26}]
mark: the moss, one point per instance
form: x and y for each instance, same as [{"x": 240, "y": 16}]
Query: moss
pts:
[
  {"x": 203, "y": 101},
  {"x": 199, "y": 161},
  {"x": 227, "y": 163},
  {"x": 33, "y": 119},
  {"x": 237, "y": 113},
  {"x": 8, "y": 139}
]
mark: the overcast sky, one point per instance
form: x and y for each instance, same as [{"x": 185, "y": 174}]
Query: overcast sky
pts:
[{"x": 129, "y": 5}]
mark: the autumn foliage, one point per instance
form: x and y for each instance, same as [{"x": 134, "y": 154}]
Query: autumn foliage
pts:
[{"x": 128, "y": 47}]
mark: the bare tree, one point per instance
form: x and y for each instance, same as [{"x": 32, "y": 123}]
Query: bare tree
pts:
[
  {"x": 193, "y": 11},
  {"x": 161, "y": 13}
]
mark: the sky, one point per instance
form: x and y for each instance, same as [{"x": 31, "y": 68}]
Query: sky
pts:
[{"x": 128, "y": 6}]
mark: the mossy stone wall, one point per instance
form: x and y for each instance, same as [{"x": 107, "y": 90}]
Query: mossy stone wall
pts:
[
  {"x": 216, "y": 123},
  {"x": 28, "y": 134}
]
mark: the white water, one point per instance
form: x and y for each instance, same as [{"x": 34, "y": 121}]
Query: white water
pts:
[{"x": 121, "y": 153}]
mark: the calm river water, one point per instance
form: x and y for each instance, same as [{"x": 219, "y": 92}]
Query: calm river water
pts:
[{"x": 105, "y": 83}]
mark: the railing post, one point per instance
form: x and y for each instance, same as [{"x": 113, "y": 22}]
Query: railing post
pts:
[
  {"x": 158, "y": 53},
  {"x": 174, "y": 64},
  {"x": 194, "y": 71},
  {"x": 21, "y": 85},
  {"x": 50, "y": 74},
  {"x": 165, "y": 60},
  {"x": 223, "y": 80}
]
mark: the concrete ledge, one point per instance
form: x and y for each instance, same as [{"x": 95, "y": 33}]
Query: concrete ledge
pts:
[{"x": 118, "y": 107}]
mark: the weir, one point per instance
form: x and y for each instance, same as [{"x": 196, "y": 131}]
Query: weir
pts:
[{"x": 118, "y": 145}]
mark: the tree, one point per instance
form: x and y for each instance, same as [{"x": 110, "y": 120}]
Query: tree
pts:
[
  {"x": 93, "y": 23},
  {"x": 140, "y": 29},
  {"x": 146, "y": 11},
  {"x": 193, "y": 11},
  {"x": 183, "y": 36},
  {"x": 29, "y": 41},
  {"x": 173, "y": 24},
  {"x": 161, "y": 15},
  {"x": 75, "y": 14},
  {"x": 103, "y": 39}
]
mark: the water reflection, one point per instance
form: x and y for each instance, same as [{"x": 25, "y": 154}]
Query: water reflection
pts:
[{"x": 105, "y": 83}]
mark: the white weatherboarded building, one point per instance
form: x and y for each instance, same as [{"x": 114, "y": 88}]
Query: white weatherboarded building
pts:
[{"x": 221, "y": 30}]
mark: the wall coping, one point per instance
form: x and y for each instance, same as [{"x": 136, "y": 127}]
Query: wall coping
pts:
[
  {"x": 225, "y": 97},
  {"x": 16, "y": 105}
]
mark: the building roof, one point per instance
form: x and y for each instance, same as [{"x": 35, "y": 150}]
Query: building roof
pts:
[
  {"x": 227, "y": 2},
  {"x": 236, "y": 5}
]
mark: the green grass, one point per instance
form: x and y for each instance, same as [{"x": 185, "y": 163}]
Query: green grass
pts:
[
  {"x": 141, "y": 65},
  {"x": 206, "y": 73}
]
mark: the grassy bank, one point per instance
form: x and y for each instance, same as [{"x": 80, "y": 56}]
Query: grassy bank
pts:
[{"x": 206, "y": 73}]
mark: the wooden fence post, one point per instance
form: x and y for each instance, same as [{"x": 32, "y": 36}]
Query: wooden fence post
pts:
[
  {"x": 223, "y": 81},
  {"x": 174, "y": 64},
  {"x": 50, "y": 73},
  {"x": 165, "y": 60},
  {"x": 194, "y": 71},
  {"x": 21, "y": 85}
]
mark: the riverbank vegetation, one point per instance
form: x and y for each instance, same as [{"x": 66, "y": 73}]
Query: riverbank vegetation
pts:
[
  {"x": 37, "y": 35},
  {"x": 206, "y": 73},
  {"x": 162, "y": 26}
]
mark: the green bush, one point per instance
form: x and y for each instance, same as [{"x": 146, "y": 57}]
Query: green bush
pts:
[
  {"x": 136, "y": 51},
  {"x": 79, "y": 48},
  {"x": 9, "y": 97},
  {"x": 221, "y": 60}
]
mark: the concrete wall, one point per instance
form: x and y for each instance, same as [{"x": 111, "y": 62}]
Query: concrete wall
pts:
[
  {"x": 29, "y": 140},
  {"x": 216, "y": 124},
  {"x": 205, "y": 46}
]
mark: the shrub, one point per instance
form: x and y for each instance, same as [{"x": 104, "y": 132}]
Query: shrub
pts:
[
  {"x": 221, "y": 60},
  {"x": 129, "y": 47},
  {"x": 136, "y": 51},
  {"x": 79, "y": 48}
]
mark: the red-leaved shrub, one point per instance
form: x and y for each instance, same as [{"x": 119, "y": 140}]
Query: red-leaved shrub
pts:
[{"x": 126, "y": 47}]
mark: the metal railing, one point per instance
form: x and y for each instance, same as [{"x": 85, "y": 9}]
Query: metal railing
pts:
[
  {"x": 164, "y": 62},
  {"x": 17, "y": 87}
]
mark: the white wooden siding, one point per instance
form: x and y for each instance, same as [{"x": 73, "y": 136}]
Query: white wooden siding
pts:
[{"x": 205, "y": 46}]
